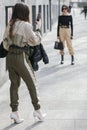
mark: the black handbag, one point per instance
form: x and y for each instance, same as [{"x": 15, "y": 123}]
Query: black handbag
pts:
[
  {"x": 3, "y": 52},
  {"x": 58, "y": 45}
]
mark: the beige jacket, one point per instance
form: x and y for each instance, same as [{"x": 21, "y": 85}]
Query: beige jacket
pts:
[{"x": 23, "y": 34}]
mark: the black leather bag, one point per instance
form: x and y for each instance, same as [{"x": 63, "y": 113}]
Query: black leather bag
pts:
[
  {"x": 58, "y": 45},
  {"x": 3, "y": 52}
]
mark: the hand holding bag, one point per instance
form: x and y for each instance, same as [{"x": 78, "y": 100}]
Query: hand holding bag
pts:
[{"x": 58, "y": 45}]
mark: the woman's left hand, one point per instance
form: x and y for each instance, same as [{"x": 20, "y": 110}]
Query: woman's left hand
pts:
[{"x": 71, "y": 37}]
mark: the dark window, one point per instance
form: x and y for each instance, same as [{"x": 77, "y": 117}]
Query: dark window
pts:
[
  {"x": 22, "y": 0},
  {"x": 34, "y": 17},
  {"x": 47, "y": 17},
  {"x": 8, "y": 10},
  {"x": 44, "y": 24},
  {"x": 39, "y": 11}
]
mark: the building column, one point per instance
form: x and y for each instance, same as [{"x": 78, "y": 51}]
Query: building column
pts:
[{"x": 50, "y": 15}]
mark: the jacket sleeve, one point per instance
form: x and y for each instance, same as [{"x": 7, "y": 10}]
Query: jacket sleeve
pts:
[
  {"x": 33, "y": 38},
  {"x": 44, "y": 54},
  {"x": 71, "y": 26}
]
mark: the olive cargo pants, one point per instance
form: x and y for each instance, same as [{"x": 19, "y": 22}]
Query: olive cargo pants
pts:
[{"x": 17, "y": 70}]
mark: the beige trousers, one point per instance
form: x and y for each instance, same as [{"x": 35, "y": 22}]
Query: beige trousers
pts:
[{"x": 65, "y": 37}]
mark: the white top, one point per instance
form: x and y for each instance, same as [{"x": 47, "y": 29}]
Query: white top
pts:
[{"x": 23, "y": 34}]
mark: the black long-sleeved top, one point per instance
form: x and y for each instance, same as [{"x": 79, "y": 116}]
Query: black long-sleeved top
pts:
[{"x": 65, "y": 20}]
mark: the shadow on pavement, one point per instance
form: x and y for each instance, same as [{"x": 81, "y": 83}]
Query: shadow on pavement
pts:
[
  {"x": 10, "y": 126},
  {"x": 33, "y": 125},
  {"x": 52, "y": 70}
]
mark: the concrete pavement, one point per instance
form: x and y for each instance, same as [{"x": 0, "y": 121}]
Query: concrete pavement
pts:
[{"x": 62, "y": 89}]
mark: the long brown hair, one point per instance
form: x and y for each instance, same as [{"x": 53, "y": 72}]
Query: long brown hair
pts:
[{"x": 21, "y": 12}]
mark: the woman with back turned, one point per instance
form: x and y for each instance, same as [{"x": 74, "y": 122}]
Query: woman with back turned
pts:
[
  {"x": 65, "y": 32},
  {"x": 18, "y": 34}
]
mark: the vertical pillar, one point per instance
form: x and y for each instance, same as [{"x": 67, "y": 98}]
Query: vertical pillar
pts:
[
  {"x": 44, "y": 18},
  {"x": 58, "y": 7},
  {"x": 34, "y": 17},
  {"x": 50, "y": 14}
]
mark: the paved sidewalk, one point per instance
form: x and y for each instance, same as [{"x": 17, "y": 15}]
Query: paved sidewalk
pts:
[{"x": 62, "y": 89}]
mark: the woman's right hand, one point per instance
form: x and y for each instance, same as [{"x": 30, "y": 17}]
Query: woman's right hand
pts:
[
  {"x": 38, "y": 24},
  {"x": 58, "y": 37}
]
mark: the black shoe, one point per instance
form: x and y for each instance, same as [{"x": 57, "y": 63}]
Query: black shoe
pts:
[
  {"x": 72, "y": 63},
  {"x": 62, "y": 62},
  {"x": 72, "y": 60}
]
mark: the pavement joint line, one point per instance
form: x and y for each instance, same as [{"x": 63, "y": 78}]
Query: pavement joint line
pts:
[{"x": 67, "y": 119}]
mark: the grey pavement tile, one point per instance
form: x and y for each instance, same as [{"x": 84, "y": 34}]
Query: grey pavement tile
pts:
[
  {"x": 54, "y": 125},
  {"x": 67, "y": 114},
  {"x": 46, "y": 125},
  {"x": 81, "y": 125}
]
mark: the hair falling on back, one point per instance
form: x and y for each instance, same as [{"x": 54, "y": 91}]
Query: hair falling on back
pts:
[{"x": 20, "y": 12}]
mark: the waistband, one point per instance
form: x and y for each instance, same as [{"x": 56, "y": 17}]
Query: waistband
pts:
[
  {"x": 15, "y": 46},
  {"x": 13, "y": 49},
  {"x": 64, "y": 26}
]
